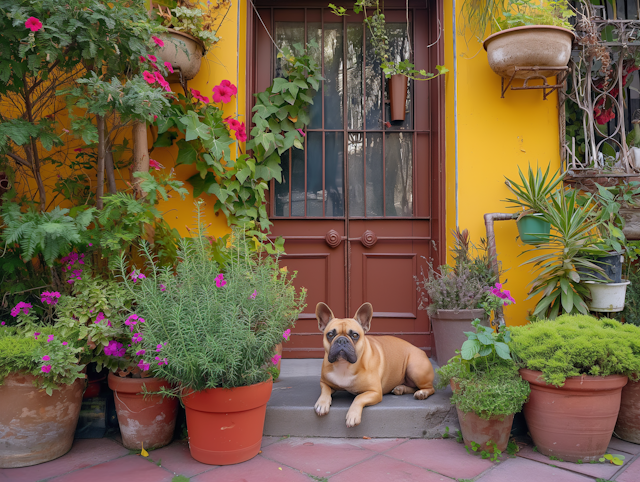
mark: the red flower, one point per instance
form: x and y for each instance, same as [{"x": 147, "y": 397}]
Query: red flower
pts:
[
  {"x": 33, "y": 24},
  {"x": 196, "y": 95},
  {"x": 143, "y": 59},
  {"x": 158, "y": 41},
  {"x": 79, "y": 149},
  {"x": 149, "y": 77},
  {"x": 169, "y": 66},
  {"x": 224, "y": 91},
  {"x": 153, "y": 164},
  {"x": 241, "y": 133}
]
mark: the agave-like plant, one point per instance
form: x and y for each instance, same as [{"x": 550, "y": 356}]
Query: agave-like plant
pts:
[
  {"x": 562, "y": 261},
  {"x": 534, "y": 191}
]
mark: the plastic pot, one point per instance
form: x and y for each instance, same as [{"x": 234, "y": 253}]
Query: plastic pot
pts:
[
  {"x": 607, "y": 297},
  {"x": 398, "y": 96},
  {"x": 225, "y": 425},
  {"x": 149, "y": 421},
  {"x": 628, "y": 424},
  {"x": 573, "y": 422},
  {"x": 611, "y": 265},
  {"x": 36, "y": 427},
  {"x": 184, "y": 52},
  {"x": 533, "y": 229},
  {"x": 448, "y": 331}
]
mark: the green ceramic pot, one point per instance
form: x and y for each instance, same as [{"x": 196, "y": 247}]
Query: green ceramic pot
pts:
[{"x": 533, "y": 229}]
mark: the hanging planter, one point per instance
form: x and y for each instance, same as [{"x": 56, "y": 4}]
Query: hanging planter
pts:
[
  {"x": 225, "y": 425},
  {"x": 144, "y": 421},
  {"x": 398, "y": 96},
  {"x": 529, "y": 46},
  {"x": 184, "y": 52},
  {"x": 533, "y": 229},
  {"x": 607, "y": 297}
]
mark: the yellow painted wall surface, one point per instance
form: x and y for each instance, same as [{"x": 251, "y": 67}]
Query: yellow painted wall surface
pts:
[{"x": 495, "y": 136}]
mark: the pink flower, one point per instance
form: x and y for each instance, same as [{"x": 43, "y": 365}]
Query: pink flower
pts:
[
  {"x": 100, "y": 317},
  {"x": 224, "y": 91},
  {"x": 220, "y": 281},
  {"x": 131, "y": 321},
  {"x": 21, "y": 307},
  {"x": 64, "y": 343},
  {"x": 50, "y": 338},
  {"x": 143, "y": 366},
  {"x": 46, "y": 368},
  {"x": 33, "y": 24},
  {"x": 163, "y": 287},
  {"x": 234, "y": 125},
  {"x": 241, "y": 134},
  {"x": 149, "y": 77},
  {"x": 115, "y": 348},
  {"x": 286, "y": 334},
  {"x": 136, "y": 338},
  {"x": 90, "y": 244},
  {"x": 169, "y": 66},
  {"x": 152, "y": 58},
  {"x": 153, "y": 164},
  {"x": 158, "y": 41},
  {"x": 253, "y": 295},
  {"x": 46, "y": 358},
  {"x": 50, "y": 297},
  {"x": 159, "y": 347},
  {"x": 2, "y": 323},
  {"x": 36, "y": 334},
  {"x": 140, "y": 352},
  {"x": 165, "y": 85},
  {"x": 143, "y": 59},
  {"x": 275, "y": 359},
  {"x": 301, "y": 132},
  {"x": 158, "y": 76},
  {"x": 163, "y": 361}
]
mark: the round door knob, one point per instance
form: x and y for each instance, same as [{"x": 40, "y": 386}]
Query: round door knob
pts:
[
  {"x": 333, "y": 239},
  {"x": 368, "y": 238}
]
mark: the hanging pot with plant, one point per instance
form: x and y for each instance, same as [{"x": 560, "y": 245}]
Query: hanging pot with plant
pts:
[
  {"x": 398, "y": 96},
  {"x": 533, "y": 228}
]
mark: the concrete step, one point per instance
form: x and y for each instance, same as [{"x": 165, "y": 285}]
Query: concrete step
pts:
[{"x": 290, "y": 410}]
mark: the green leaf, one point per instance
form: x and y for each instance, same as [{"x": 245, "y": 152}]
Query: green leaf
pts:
[
  {"x": 187, "y": 153},
  {"x": 502, "y": 350},
  {"x": 469, "y": 349},
  {"x": 485, "y": 339},
  {"x": 201, "y": 185},
  {"x": 278, "y": 84},
  {"x": 195, "y": 128}
]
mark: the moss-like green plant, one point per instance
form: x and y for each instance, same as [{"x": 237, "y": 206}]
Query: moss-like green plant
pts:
[{"x": 574, "y": 345}]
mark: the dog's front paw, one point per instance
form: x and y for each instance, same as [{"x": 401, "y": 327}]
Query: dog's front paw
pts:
[
  {"x": 322, "y": 407},
  {"x": 354, "y": 417}
]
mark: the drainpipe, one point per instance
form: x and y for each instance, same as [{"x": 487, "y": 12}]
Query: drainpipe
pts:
[
  {"x": 455, "y": 102},
  {"x": 489, "y": 218}
]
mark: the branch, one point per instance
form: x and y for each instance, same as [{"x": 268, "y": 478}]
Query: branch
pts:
[{"x": 19, "y": 159}]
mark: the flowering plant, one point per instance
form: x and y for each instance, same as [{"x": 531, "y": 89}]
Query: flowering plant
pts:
[
  {"x": 45, "y": 353},
  {"x": 205, "y": 328},
  {"x": 496, "y": 298}
]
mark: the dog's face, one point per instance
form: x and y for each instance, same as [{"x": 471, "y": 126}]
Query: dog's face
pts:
[{"x": 344, "y": 337}]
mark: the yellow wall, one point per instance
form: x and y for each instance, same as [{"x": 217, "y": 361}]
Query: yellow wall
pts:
[
  {"x": 495, "y": 136},
  {"x": 226, "y": 60}
]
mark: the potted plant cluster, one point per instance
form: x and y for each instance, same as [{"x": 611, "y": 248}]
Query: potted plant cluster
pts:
[
  {"x": 40, "y": 374},
  {"x": 456, "y": 295},
  {"x": 487, "y": 388},
  {"x": 191, "y": 30},
  {"x": 212, "y": 325},
  {"x": 529, "y": 34},
  {"x": 577, "y": 366}
]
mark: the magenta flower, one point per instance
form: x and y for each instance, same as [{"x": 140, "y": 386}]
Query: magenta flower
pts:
[
  {"x": 253, "y": 295},
  {"x": 131, "y": 321},
  {"x": 36, "y": 334},
  {"x": 2, "y": 323},
  {"x": 158, "y": 77},
  {"x": 169, "y": 66},
  {"x": 21, "y": 307},
  {"x": 234, "y": 125},
  {"x": 64, "y": 343},
  {"x": 143, "y": 366},
  {"x": 149, "y": 77},
  {"x": 152, "y": 58},
  {"x": 241, "y": 133},
  {"x": 163, "y": 361},
  {"x": 50, "y": 297},
  {"x": 301, "y": 132},
  {"x": 33, "y": 24},
  {"x": 46, "y": 368},
  {"x": 275, "y": 359},
  {"x": 153, "y": 164},
  {"x": 224, "y": 91},
  {"x": 158, "y": 41},
  {"x": 46, "y": 358},
  {"x": 220, "y": 281},
  {"x": 159, "y": 347},
  {"x": 100, "y": 317},
  {"x": 115, "y": 348},
  {"x": 163, "y": 287},
  {"x": 140, "y": 352},
  {"x": 136, "y": 338},
  {"x": 50, "y": 338},
  {"x": 286, "y": 334}
]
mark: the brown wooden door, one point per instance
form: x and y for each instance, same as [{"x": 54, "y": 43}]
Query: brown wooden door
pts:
[{"x": 360, "y": 207}]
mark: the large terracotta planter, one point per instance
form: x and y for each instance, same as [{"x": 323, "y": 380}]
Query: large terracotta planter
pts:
[
  {"x": 448, "y": 331},
  {"x": 36, "y": 427},
  {"x": 149, "y": 421},
  {"x": 225, "y": 425},
  {"x": 628, "y": 424},
  {"x": 573, "y": 422},
  {"x": 398, "y": 96},
  {"x": 184, "y": 52},
  {"x": 529, "y": 46}
]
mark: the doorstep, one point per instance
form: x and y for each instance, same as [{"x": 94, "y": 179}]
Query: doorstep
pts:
[{"x": 290, "y": 410}]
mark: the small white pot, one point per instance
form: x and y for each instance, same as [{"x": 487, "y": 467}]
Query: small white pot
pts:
[{"x": 607, "y": 297}]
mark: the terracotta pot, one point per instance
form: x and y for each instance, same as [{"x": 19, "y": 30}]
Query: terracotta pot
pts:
[
  {"x": 149, "y": 421},
  {"x": 398, "y": 96},
  {"x": 184, "y": 52},
  {"x": 475, "y": 429},
  {"x": 628, "y": 424},
  {"x": 573, "y": 422},
  {"x": 529, "y": 46},
  {"x": 225, "y": 424},
  {"x": 36, "y": 427},
  {"x": 448, "y": 331}
]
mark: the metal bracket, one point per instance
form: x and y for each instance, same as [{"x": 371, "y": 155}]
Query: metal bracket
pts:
[{"x": 547, "y": 89}]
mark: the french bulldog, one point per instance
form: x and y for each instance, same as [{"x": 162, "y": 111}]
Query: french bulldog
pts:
[{"x": 367, "y": 366}]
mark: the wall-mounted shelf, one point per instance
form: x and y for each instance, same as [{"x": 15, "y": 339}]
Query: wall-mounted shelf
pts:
[{"x": 547, "y": 89}]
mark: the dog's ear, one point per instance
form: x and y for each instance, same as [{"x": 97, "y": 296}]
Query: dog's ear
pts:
[
  {"x": 324, "y": 315},
  {"x": 364, "y": 315}
]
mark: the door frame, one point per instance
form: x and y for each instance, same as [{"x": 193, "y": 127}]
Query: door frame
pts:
[{"x": 436, "y": 96}]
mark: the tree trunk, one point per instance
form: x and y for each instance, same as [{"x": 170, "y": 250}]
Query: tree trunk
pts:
[
  {"x": 140, "y": 156},
  {"x": 110, "y": 169},
  {"x": 101, "y": 160}
]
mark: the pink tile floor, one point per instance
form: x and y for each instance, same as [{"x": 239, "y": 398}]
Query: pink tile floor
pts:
[{"x": 324, "y": 459}]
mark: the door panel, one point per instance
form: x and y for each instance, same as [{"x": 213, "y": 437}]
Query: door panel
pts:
[{"x": 359, "y": 208}]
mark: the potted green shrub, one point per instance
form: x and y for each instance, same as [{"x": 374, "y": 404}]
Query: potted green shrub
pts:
[
  {"x": 455, "y": 295},
  {"x": 191, "y": 30},
  {"x": 211, "y": 328},
  {"x": 487, "y": 388},
  {"x": 531, "y": 196},
  {"x": 577, "y": 366},
  {"x": 529, "y": 33},
  {"x": 40, "y": 374}
]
